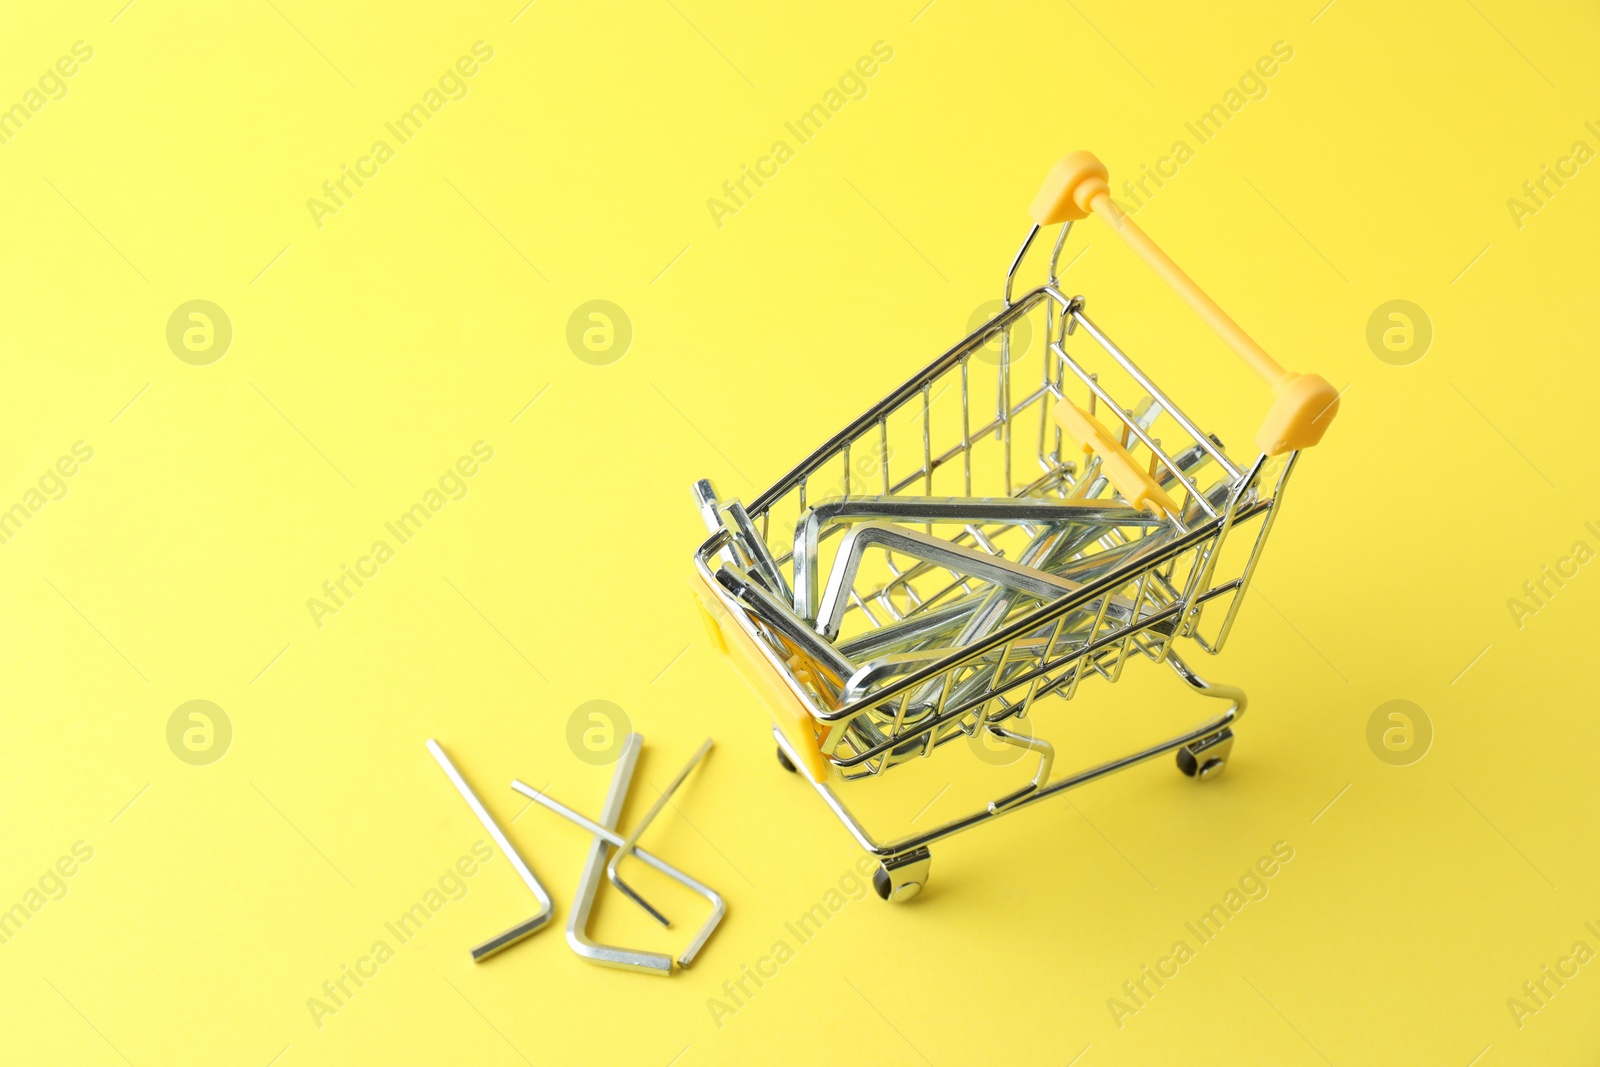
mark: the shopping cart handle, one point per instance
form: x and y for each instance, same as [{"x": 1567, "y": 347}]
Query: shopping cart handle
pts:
[{"x": 1302, "y": 404}]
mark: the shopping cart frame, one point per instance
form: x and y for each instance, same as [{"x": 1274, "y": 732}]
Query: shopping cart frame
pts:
[{"x": 1202, "y": 751}]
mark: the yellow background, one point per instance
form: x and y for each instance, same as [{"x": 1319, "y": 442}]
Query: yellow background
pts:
[{"x": 370, "y": 353}]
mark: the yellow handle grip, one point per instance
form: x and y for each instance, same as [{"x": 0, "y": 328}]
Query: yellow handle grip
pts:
[
  {"x": 1088, "y": 434},
  {"x": 1303, "y": 404}
]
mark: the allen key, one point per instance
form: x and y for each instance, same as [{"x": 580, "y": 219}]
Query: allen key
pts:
[
  {"x": 719, "y": 908},
  {"x": 954, "y": 558},
  {"x": 632, "y": 840},
  {"x": 577, "y": 923},
  {"x": 502, "y": 941},
  {"x": 779, "y": 617}
]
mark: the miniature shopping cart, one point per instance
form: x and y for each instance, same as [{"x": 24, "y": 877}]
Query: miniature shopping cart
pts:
[{"x": 1020, "y": 518}]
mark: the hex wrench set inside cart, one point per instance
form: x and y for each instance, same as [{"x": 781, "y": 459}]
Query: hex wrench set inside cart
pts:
[
  {"x": 1025, "y": 515},
  {"x": 607, "y": 853}
]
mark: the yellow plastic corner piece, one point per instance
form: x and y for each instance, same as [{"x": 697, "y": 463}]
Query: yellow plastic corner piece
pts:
[
  {"x": 1131, "y": 480},
  {"x": 1302, "y": 407},
  {"x": 1068, "y": 191},
  {"x": 789, "y": 713}
]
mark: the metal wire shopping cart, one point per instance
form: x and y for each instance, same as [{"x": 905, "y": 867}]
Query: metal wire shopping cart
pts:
[{"x": 1015, "y": 519}]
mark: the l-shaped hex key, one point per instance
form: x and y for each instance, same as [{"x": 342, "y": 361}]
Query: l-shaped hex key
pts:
[
  {"x": 719, "y": 907},
  {"x": 505, "y": 940},
  {"x": 578, "y": 922}
]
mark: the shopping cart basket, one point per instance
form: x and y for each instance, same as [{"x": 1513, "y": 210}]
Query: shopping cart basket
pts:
[{"x": 1014, "y": 520}]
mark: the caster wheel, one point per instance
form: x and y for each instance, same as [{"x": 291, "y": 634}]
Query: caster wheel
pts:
[
  {"x": 887, "y": 890},
  {"x": 1206, "y": 759},
  {"x": 786, "y": 763},
  {"x": 902, "y": 877}
]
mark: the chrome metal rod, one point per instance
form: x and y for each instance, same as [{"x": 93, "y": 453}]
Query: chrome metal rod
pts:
[
  {"x": 502, "y": 941},
  {"x": 593, "y": 871},
  {"x": 1235, "y": 697},
  {"x": 755, "y": 546},
  {"x": 782, "y": 620},
  {"x": 637, "y": 832}
]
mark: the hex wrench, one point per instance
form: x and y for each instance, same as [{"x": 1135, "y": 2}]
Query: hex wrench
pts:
[
  {"x": 955, "y": 558},
  {"x": 632, "y": 840},
  {"x": 902, "y": 635},
  {"x": 883, "y": 668},
  {"x": 1063, "y": 542},
  {"x": 982, "y": 510},
  {"x": 589, "y": 884},
  {"x": 755, "y": 546},
  {"x": 718, "y": 907},
  {"x": 746, "y": 547},
  {"x": 1081, "y": 569},
  {"x": 782, "y": 620},
  {"x": 505, "y": 940}
]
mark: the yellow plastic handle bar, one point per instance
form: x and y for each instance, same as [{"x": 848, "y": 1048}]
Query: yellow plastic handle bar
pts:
[
  {"x": 1131, "y": 480},
  {"x": 1302, "y": 404}
]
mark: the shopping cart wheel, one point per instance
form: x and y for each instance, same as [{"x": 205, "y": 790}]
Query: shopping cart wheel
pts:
[
  {"x": 899, "y": 878},
  {"x": 1206, "y": 757},
  {"x": 785, "y": 762}
]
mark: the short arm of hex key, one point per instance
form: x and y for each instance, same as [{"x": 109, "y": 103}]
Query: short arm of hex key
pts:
[
  {"x": 505, "y": 940},
  {"x": 719, "y": 907},
  {"x": 578, "y": 922},
  {"x": 632, "y": 839}
]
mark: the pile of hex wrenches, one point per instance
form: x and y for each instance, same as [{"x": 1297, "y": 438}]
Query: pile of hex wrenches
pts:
[
  {"x": 1071, "y": 543},
  {"x": 606, "y": 854}
]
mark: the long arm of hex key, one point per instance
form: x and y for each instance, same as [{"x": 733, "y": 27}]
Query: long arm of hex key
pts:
[
  {"x": 1058, "y": 543},
  {"x": 637, "y": 832},
  {"x": 719, "y": 907},
  {"x": 927, "y": 624},
  {"x": 956, "y": 558},
  {"x": 583, "y": 903},
  {"x": 746, "y": 547},
  {"x": 755, "y": 546},
  {"x": 777, "y": 615},
  {"x": 505, "y": 940},
  {"x": 985, "y": 510}
]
